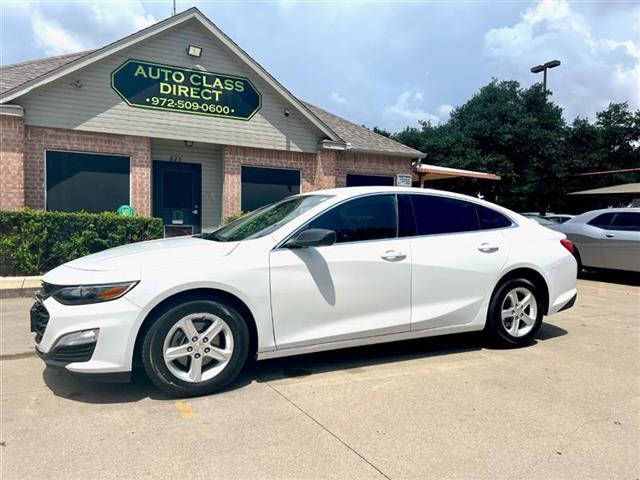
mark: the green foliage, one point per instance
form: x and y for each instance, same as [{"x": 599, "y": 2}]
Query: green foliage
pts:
[
  {"x": 381, "y": 131},
  {"x": 33, "y": 242},
  {"x": 519, "y": 134}
]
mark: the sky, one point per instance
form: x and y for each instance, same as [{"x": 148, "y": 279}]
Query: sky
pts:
[{"x": 382, "y": 63}]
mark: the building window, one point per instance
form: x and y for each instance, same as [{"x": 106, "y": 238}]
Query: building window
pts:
[
  {"x": 355, "y": 180},
  {"x": 86, "y": 181},
  {"x": 261, "y": 186}
]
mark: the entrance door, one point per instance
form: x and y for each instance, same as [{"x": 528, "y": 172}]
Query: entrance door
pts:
[{"x": 177, "y": 192}]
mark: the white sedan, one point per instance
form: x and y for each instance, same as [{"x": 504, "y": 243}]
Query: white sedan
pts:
[{"x": 318, "y": 271}]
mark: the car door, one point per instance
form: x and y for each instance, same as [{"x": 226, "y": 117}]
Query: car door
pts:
[
  {"x": 455, "y": 261},
  {"x": 590, "y": 239},
  {"x": 621, "y": 242},
  {"x": 358, "y": 287}
]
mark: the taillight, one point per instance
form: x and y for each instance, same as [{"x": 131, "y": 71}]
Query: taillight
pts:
[{"x": 567, "y": 244}]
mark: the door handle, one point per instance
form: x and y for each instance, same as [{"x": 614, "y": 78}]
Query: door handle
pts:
[
  {"x": 488, "y": 248},
  {"x": 610, "y": 235},
  {"x": 195, "y": 211},
  {"x": 393, "y": 256}
]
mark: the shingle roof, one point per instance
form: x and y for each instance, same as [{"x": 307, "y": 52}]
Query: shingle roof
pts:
[
  {"x": 14, "y": 75},
  {"x": 360, "y": 138}
]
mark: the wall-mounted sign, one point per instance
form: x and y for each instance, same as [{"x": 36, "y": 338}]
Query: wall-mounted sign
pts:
[
  {"x": 164, "y": 87},
  {"x": 403, "y": 180}
]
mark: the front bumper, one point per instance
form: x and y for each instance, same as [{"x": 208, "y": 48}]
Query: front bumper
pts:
[{"x": 112, "y": 353}]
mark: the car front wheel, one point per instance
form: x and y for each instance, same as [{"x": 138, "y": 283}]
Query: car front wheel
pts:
[
  {"x": 515, "y": 313},
  {"x": 196, "y": 347}
]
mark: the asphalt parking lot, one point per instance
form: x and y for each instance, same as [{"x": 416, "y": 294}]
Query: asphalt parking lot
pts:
[{"x": 566, "y": 407}]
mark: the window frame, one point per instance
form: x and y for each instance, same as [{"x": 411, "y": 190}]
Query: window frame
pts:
[
  {"x": 514, "y": 224},
  {"x": 301, "y": 228},
  {"x": 299, "y": 170},
  {"x": 44, "y": 171}
]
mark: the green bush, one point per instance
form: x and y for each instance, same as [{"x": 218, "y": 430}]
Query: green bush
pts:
[{"x": 33, "y": 241}]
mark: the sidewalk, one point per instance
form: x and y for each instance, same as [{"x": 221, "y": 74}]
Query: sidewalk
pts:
[{"x": 19, "y": 286}]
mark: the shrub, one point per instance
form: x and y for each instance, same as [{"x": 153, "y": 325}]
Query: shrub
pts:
[{"x": 33, "y": 241}]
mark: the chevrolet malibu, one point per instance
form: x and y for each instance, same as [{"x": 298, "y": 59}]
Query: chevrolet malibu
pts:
[{"x": 317, "y": 271}]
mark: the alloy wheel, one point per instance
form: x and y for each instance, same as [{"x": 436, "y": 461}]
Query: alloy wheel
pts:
[
  {"x": 519, "y": 311},
  {"x": 198, "y": 347}
]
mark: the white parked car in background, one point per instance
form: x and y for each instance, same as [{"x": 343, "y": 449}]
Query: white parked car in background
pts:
[{"x": 317, "y": 271}]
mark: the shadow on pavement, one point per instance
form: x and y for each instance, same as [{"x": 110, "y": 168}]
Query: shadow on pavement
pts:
[
  {"x": 65, "y": 385},
  {"x": 612, "y": 276}
]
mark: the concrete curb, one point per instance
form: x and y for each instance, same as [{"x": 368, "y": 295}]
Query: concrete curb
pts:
[
  {"x": 11, "y": 287},
  {"x": 17, "y": 292}
]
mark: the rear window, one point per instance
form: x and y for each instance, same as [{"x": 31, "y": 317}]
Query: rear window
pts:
[
  {"x": 602, "y": 221},
  {"x": 490, "y": 219}
]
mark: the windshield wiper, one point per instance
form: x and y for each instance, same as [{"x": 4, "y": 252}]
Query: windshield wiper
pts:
[{"x": 214, "y": 237}]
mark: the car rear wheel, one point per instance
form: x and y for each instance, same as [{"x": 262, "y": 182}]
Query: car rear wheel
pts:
[
  {"x": 515, "y": 313},
  {"x": 195, "y": 348}
]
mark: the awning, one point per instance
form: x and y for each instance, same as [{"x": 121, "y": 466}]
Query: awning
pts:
[
  {"x": 624, "y": 189},
  {"x": 432, "y": 172}
]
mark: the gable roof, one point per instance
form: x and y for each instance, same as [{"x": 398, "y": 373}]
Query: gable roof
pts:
[
  {"x": 361, "y": 138},
  {"x": 20, "y": 78},
  {"x": 17, "y": 74}
]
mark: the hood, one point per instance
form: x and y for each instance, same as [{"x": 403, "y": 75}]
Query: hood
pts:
[{"x": 134, "y": 257}]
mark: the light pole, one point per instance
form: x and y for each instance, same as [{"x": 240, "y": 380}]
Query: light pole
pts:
[{"x": 544, "y": 68}]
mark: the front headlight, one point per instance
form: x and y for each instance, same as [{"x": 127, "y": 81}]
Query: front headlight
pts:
[{"x": 83, "y": 294}]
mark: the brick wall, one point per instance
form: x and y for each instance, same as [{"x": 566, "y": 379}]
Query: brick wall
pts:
[
  {"x": 326, "y": 169},
  {"x": 368, "y": 164},
  {"x": 137, "y": 148},
  {"x": 11, "y": 162}
]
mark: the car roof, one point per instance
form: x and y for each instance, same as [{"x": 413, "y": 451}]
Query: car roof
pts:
[
  {"x": 350, "y": 192},
  {"x": 586, "y": 216},
  {"x": 346, "y": 192}
]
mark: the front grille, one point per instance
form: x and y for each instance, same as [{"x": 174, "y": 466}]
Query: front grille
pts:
[
  {"x": 73, "y": 353},
  {"x": 39, "y": 320}
]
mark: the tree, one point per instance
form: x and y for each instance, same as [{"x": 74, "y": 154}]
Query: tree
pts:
[{"x": 381, "y": 131}]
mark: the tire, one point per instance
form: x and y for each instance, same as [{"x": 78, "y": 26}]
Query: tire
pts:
[
  {"x": 219, "y": 359},
  {"x": 528, "y": 318}
]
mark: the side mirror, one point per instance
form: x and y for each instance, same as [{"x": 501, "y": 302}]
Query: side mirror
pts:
[{"x": 314, "y": 237}]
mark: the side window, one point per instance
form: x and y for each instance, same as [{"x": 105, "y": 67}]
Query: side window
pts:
[
  {"x": 602, "y": 221},
  {"x": 367, "y": 218},
  {"x": 627, "y": 221},
  {"x": 435, "y": 214},
  {"x": 491, "y": 219}
]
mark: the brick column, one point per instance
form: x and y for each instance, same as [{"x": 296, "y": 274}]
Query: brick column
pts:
[{"x": 12, "y": 145}]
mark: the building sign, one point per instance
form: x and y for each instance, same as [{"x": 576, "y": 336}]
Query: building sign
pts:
[
  {"x": 403, "y": 180},
  {"x": 163, "y": 87}
]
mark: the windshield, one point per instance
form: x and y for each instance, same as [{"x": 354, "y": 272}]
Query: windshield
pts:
[{"x": 265, "y": 220}]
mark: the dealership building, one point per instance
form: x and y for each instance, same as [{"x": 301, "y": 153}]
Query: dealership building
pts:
[{"x": 178, "y": 122}]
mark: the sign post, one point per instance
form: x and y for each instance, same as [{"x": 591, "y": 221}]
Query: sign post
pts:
[{"x": 165, "y": 87}]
